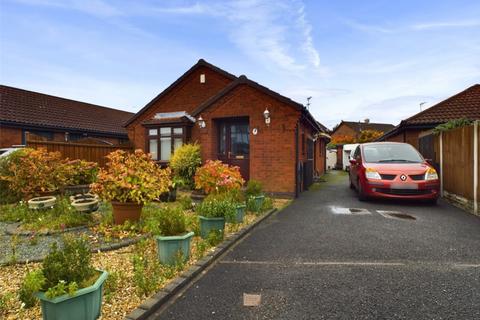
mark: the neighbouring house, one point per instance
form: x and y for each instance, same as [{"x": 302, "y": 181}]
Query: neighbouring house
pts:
[
  {"x": 465, "y": 104},
  {"x": 271, "y": 138},
  {"x": 350, "y": 131},
  {"x": 50, "y": 118}
]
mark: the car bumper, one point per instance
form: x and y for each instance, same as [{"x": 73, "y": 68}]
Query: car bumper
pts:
[{"x": 408, "y": 190}]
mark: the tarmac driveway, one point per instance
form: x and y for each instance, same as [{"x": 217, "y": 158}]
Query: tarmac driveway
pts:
[{"x": 317, "y": 259}]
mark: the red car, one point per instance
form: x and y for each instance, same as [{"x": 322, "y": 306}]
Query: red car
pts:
[{"x": 392, "y": 170}]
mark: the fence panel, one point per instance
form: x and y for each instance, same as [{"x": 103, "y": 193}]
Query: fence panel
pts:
[
  {"x": 458, "y": 161},
  {"x": 89, "y": 152}
]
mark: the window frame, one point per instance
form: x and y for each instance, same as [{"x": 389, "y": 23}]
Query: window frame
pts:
[{"x": 158, "y": 137}]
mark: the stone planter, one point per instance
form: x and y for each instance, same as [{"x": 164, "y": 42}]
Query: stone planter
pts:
[
  {"x": 197, "y": 196},
  {"x": 77, "y": 189},
  {"x": 123, "y": 211},
  {"x": 208, "y": 225},
  {"x": 86, "y": 304},
  {"x": 83, "y": 196},
  {"x": 85, "y": 205},
  {"x": 239, "y": 215},
  {"x": 44, "y": 202},
  {"x": 169, "y": 247}
]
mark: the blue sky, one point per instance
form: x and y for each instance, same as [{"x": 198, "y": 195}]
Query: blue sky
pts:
[{"x": 357, "y": 59}]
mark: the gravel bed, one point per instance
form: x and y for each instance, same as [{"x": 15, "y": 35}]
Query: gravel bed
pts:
[{"x": 20, "y": 249}]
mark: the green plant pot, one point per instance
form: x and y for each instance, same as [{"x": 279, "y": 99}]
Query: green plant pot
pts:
[
  {"x": 259, "y": 201},
  {"x": 168, "y": 248},
  {"x": 86, "y": 304},
  {"x": 208, "y": 225},
  {"x": 240, "y": 214}
]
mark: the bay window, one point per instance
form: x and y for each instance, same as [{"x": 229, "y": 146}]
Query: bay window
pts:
[{"x": 162, "y": 141}]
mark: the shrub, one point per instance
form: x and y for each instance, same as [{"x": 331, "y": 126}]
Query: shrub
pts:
[
  {"x": 452, "y": 124},
  {"x": 81, "y": 172},
  {"x": 131, "y": 177},
  {"x": 147, "y": 272},
  {"x": 47, "y": 167},
  {"x": 254, "y": 188},
  {"x": 185, "y": 161},
  {"x": 8, "y": 195},
  {"x": 171, "y": 221},
  {"x": 63, "y": 271},
  {"x": 70, "y": 264},
  {"x": 213, "y": 207},
  {"x": 217, "y": 177}
]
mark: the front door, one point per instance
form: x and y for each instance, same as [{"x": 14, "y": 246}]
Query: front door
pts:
[{"x": 234, "y": 144}]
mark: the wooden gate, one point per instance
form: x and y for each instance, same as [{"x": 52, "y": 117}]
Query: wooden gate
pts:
[{"x": 426, "y": 146}]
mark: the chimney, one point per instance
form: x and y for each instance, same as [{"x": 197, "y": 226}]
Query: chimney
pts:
[{"x": 366, "y": 120}]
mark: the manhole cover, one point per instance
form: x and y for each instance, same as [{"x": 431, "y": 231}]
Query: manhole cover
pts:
[
  {"x": 251, "y": 300},
  {"x": 402, "y": 216}
]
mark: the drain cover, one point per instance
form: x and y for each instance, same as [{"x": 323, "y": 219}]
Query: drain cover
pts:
[
  {"x": 402, "y": 216},
  {"x": 396, "y": 214},
  {"x": 251, "y": 300}
]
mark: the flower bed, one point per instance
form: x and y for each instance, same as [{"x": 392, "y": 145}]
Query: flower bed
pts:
[{"x": 129, "y": 269}]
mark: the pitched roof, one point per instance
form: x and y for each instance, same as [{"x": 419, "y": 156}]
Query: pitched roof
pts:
[
  {"x": 244, "y": 80},
  {"x": 28, "y": 108},
  {"x": 200, "y": 63},
  {"x": 465, "y": 104},
  {"x": 359, "y": 126}
]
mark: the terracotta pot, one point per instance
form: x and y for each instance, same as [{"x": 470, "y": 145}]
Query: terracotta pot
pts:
[{"x": 123, "y": 211}]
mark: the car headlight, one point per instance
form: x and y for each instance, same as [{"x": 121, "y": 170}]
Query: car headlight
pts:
[
  {"x": 372, "y": 174},
  {"x": 431, "y": 174}
]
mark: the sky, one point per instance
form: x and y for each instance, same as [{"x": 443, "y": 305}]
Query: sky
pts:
[{"x": 356, "y": 59}]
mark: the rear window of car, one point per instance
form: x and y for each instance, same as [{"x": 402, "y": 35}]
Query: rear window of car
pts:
[{"x": 391, "y": 153}]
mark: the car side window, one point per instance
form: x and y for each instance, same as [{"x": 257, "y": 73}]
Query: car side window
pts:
[{"x": 356, "y": 154}]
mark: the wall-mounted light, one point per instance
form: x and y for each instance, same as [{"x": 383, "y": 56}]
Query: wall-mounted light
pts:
[
  {"x": 201, "y": 122},
  {"x": 266, "y": 115}
]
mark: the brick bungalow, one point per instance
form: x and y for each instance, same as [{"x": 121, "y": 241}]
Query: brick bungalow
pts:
[
  {"x": 354, "y": 129},
  {"x": 51, "y": 118},
  {"x": 271, "y": 138},
  {"x": 465, "y": 104}
]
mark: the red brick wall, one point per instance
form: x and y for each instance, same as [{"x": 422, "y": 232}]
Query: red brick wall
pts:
[
  {"x": 186, "y": 96},
  {"x": 10, "y": 136},
  {"x": 272, "y": 150},
  {"x": 409, "y": 136},
  {"x": 344, "y": 130},
  {"x": 320, "y": 153}
]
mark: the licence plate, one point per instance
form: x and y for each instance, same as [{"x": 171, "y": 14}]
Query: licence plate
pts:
[{"x": 409, "y": 186}]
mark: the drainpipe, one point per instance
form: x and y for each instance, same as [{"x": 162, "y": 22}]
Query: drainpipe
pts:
[
  {"x": 441, "y": 163},
  {"x": 296, "y": 158},
  {"x": 475, "y": 167}
]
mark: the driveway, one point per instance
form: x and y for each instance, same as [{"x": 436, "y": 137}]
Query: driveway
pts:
[{"x": 312, "y": 261}]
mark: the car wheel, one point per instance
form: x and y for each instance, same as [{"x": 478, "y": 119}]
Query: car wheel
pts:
[
  {"x": 361, "y": 194},
  {"x": 352, "y": 186},
  {"x": 432, "y": 202}
]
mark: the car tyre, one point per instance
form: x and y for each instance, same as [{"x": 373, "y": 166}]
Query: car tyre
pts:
[{"x": 361, "y": 194}]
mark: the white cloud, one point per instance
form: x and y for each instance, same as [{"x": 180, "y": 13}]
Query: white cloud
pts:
[{"x": 446, "y": 24}]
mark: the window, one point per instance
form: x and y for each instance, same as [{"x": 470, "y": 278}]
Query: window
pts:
[{"x": 163, "y": 141}]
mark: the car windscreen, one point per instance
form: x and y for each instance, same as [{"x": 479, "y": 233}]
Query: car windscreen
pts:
[{"x": 391, "y": 153}]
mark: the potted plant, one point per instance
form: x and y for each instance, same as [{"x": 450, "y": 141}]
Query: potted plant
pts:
[
  {"x": 67, "y": 285},
  {"x": 173, "y": 243},
  {"x": 254, "y": 195},
  {"x": 212, "y": 214},
  {"x": 238, "y": 198},
  {"x": 130, "y": 180}
]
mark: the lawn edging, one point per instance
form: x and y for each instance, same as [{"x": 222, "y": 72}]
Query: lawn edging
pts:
[{"x": 154, "y": 302}]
